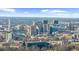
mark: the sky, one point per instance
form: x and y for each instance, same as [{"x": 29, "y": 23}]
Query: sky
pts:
[{"x": 40, "y": 12}]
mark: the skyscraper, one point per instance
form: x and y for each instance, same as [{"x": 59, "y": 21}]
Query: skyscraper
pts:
[
  {"x": 52, "y": 29},
  {"x": 45, "y": 26},
  {"x": 28, "y": 30},
  {"x": 8, "y": 32},
  {"x": 40, "y": 26},
  {"x": 34, "y": 28},
  {"x": 55, "y": 21}
]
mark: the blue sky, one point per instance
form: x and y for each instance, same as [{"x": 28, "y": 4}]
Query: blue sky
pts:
[{"x": 40, "y": 12}]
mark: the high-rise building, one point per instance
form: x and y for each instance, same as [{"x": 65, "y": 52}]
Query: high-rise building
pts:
[
  {"x": 55, "y": 21},
  {"x": 8, "y": 32},
  {"x": 39, "y": 27},
  {"x": 50, "y": 32},
  {"x": 33, "y": 29},
  {"x": 28, "y": 30},
  {"x": 51, "y": 21},
  {"x": 45, "y": 26},
  {"x": 53, "y": 29}
]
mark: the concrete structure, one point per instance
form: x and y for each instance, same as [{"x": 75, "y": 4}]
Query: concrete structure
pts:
[{"x": 8, "y": 32}]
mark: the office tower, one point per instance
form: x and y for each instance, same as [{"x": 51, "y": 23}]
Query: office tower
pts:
[
  {"x": 52, "y": 29},
  {"x": 33, "y": 28},
  {"x": 50, "y": 32},
  {"x": 71, "y": 27},
  {"x": 51, "y": 21},
  {"x": 45, "y": 26},
  {"x": 37, "y": 29},
  {"x": 40, "y": 26},
  {"x": 28, "y": 30},
  {"x": 55, "y": 21}
]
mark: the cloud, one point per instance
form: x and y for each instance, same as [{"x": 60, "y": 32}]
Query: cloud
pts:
[
  {"x": 53, "y": 11},
  {"x": 7, "y": 10},
  {"x": 45, "y": 10},
  {"x": 58, "y": 11},
  {"x": 66, "y": 15},
  {"x": 42, "y": 13}
]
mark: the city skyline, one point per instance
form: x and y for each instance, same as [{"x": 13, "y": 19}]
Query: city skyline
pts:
[{"x": 40, "y": 12}]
